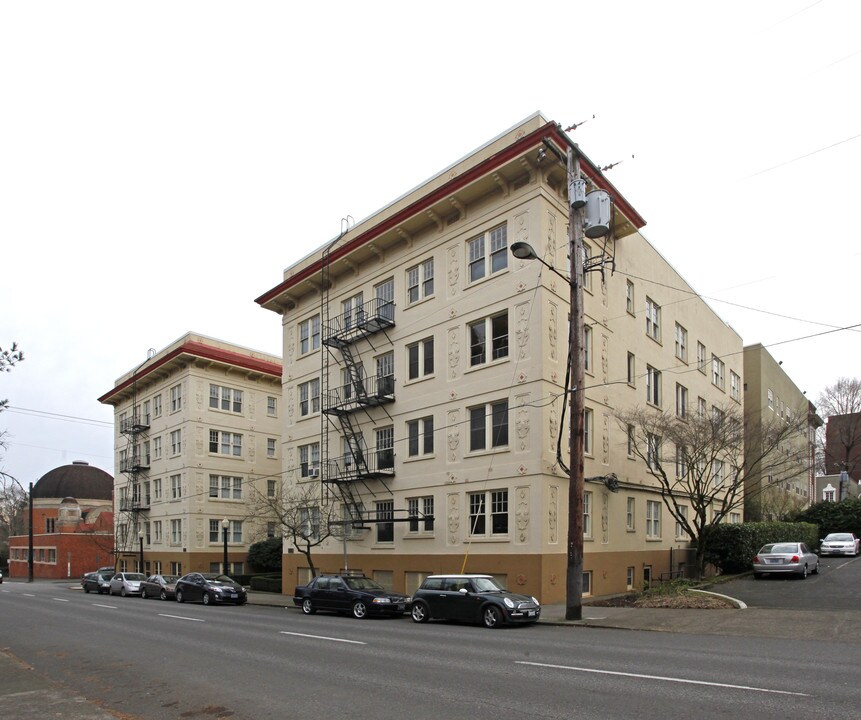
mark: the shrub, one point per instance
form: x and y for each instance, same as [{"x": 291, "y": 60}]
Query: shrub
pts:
[
  {"x": 265, "y": 556},
  {"x": 731, "y": 548},
  {"x": 266, "y": 583},
  {"x": 844, "y": 516}
]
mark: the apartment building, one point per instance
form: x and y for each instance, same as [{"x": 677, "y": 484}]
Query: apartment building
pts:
[
  {"x": 771, "y": 397},
  {"x": 197, "y": 440},
  {"x": 424, "y": 376}
]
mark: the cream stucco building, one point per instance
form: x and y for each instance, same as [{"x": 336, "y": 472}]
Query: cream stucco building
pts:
[
  {"x": 197, "y": 434},
  {"x": 424, "y": 373}
]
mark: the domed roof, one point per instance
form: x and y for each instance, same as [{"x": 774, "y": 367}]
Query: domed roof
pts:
[{"x": 78, "y": 480}]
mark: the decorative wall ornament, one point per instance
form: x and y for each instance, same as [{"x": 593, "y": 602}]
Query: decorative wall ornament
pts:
[
  {"x": 453, "y": 434},
  {"x": 453, "y": 270},
  {"x": 521, "y": 421},
  {"x": 252, "y": 447},
  {"x": 291, "y": 345},
  {"x": 605, "y": 517},
  {"x": 198, "y": 532},
  {"x": 605, "y": 441},
  {"x": 453, "y": 353},
  {"x": 605, "y": 360},
  {"x": 291, "y": 403},
  {"x": 521, "y": 514},
  {"x": 523, "y": 312},
  {"x": 552, "y": 510},
  {"x": 551, "y": 237},
  {"x": 198, "y": 441},
  {"x": 553, "y": 429},
  {"x": 453, "y": 520},
  {"x": 552, "y": 335}
]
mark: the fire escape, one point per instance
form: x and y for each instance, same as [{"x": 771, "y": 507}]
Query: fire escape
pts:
[{"x": 134, "y": 464}]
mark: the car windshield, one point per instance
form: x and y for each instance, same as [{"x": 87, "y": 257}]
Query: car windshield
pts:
[
  {"x": 839, "y": 537},
  {"x": 104, "y": 575},
  {"x": 219, "y": 579},
  {"x": 170, "y": 579},
  {"x": 779, "y": 549},
  {"x": 135, "y": 576},
  {"x": 486, "y": 585},
  {"x": 362, "y": 583}
]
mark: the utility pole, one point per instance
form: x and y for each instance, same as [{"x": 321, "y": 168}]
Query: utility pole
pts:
[{"x": 30, "y": 533}]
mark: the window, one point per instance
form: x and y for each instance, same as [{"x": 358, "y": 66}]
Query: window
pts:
[
  {"x": 271, "y": 444},
  {"x": 420, "y": 359},
  {"x": 156, "y": 531},
  {"x": 770, "y": 399},
  {"x": 681, "y": 401},
  {"x": 175, "y": 487},
  {"x": 309, "y": 335},
  {"x": 420, "y": 437},
  {"x": 225, "y": 487},
  {"x": 176, "y": 442},
  {"x": 653, "y": 451},
  {"x": 734, "y": 386},
  {"x": 653, "y": 386},
  {"x": 156, "y": 489},
  {"x": 147, "y": 412},
  {"x": 385, "y": 448},
  {"x": 420, "y": 281},
  {"x": 630, "y": 516},
  {"x": 353, "y": 311},
  {"x": 214, "y": 531},
  {"x": 385, "y": 530},
  {"x": 225, "y": 398},
  {"x": 50, "y": 525},
  {"x": 681, "y": 461},
  {"x": 701, "y": 358},
  {"x": 717, "y": 473},
  {"x": 587, "y": 514},
  {"x": 653, "y": 519},
  {"x": 631, "y": 440},
  {"x": 701, "y": 406},
  {"x": 681, "y": 533},
  {"x": 309, "y": 521},
  {"x": 309, "y": 460},
  {"x": 482, "y": 265},
  {"x": 629, "y": 297},
  {"x": 385, "y": 374},
  {"x": 587, "y": 431},
  {"x": 735, "y": 518},
  {"x": 309, "y": 397},
  {"x": 271, "y": 406},
  {"x": 497, "y": 328},
  {"x": 494, "y": 501},
  {"x": 632, "y": 369},
  {"x": 717, "y": 372},
  {"x": 270, "y": 488},
  {"x": 270, "y": 530},
  {"x": 829, "y": 495},
  {"x": 225, "y": 443},
  {"x": 629, "y": 578},
  {"x": 176, "y": 532},
  {"x": 483, "y": 434},
  {"x": 156, "y": 406},
  {"x": 234, "y": 532},
  {"x": 653, "y": 319},
  {"x": 417, "y": 510},
  {"x": 681, "y": 343},
  {"x": 176, "y": 398},
  {"x": 156, "y": 448},
  {"x": 384, "y": 295},
  {"x": 587, "y": 348}
]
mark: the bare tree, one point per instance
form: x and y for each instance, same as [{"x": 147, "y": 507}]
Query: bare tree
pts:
[
  {"x": 701, "y": 462},
  {"x": 840, "y": 448},
  {"x": 300, "y": 512}
]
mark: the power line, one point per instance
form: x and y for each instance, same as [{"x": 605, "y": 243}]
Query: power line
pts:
[
  {"x": 801, "y": 157},
  {"x": 59, "y": 416}
]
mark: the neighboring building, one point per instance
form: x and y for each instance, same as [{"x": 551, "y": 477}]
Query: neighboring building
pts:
[
  {"x": 197, "y": 434},
  {"x": 770, "y": 397},
  {"x": 843, "y": 445},
  {"x": 72, "y": 524},
  {"x": 835, "y": 488},
  {"x": 425, "y": 370}
]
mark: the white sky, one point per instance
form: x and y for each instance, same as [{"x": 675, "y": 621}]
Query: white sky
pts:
[{"x": 161, "y": 163}]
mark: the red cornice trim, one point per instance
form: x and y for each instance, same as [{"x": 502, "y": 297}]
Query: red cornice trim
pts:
[
  {"x": 550, "y": 130},
  {"x": 199, "y": 349}
]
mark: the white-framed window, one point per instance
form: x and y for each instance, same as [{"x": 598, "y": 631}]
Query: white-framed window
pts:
[
  {"x": 384, "y": 296},
  {"x": 271, "y": 488},
  {"x": 147, "y": 412},
  {"x": 215, "y": 531},
  {"x": 717, "y": 473},
  {"x": 653, "y": 319},
  {"x": 681, "y": 343},
  {"x": 653, "y": 386},
  {"x": 234, "y": 532},
  {"x": 717, "y": 372},
  {"x": 419, "y": 508},
  {"x": 175, "y": 487},
  {"x": 492, "y": 434},
  {"x": 681, "y": 461},
  {"x": 270, "y": 530},
  {"x": 587, "y": 348},
  {"x": 176, "y": 532},
  {"x": 385, "y": 510},
  {"x": 629, "y": 297},
  {"x": 225, "y": 487},
  {"x": 420, "y": 437},
  {"x": 420, "y": 281},
  {"x": 309, "y": 335},
  {"x": 653, "y": 519},
  {"x": 629, "y": 577},
  {"x": 701, "y": 407},
  {"x": 156, "y": 406},
  {"x": 586, "y": 585},
  {"x": 353, "y": 311},
  {"x": 587, "y": 514},
  {"x": 420, "y": 360},
  {"x": 630, "y": 514},
  {"x": 494, "y": 329},
  {"x": 309, "y": 521},
  {"x": 734, "y": 386},
  {"x": 309, "y": 397},
  {"x": 587, "y": 431},
  {"x": 156, "y": 531},
  {"x": 632, "y": 370},
  {"x": 488, "y": 513},
  {"x": 156, "y": 448},
  {"x": 385, "y": 365},
  {"x": 309, "y": 460},
  {"x": 385, "y": 451},
  {"x": 735, "y": 518},
  {"x": 829, "y": 495},
  {"x": 225, "y": 398},
  {"x": 176, "y": 398},
  {"x": 482, "y": 263},
  {"x": 176, "y": 442},
  {"x": 681, "y": 533},
  {"x": 271, "y": 447},
  {"x": 156, "y": 489},
  {"x": 653, "y": 451},
  {"x": 631, "y": 440},
  {"x": 271, "y": 406},
  {"x": 770, "y": 399},
  {"x": 681, "y": 401},
  {"x": 222, "y": 442},
  {"x": 701, "y": 357}
]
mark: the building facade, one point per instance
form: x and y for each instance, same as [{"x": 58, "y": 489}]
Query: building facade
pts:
[
  {"x": 72, "y": 524},
  {"x": 425, "y": 372},
  {"x": 197, "y": 437}
]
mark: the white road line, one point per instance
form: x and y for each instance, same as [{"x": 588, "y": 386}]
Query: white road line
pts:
[
  {"x": 59, "y": 599},
  {"x": 180, "y": 617},
  {"x": 323, "y": 637},
  {"x": 112, "y": 607},
  {"x": 660, "y": 677},
  {"x": 28, "y": 595}
]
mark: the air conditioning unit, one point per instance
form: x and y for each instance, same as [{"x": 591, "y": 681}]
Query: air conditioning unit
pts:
[{"x": 314, "y": 472}]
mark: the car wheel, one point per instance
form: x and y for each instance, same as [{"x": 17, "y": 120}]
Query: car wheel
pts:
[
  {"x": 360, "y": 609},
  {"x": 143, "y": 593},
  {"x": 816, "y": 569},
  {"x": 162, "y": 595},
  {"x": 491, "y": 616},
  {"x": 420, "y": 612},
  {"x": 804, "y": 573},
  {"x": 86, "y": 590},
  {"x": 207, "y": 598},
  {"x": 179, "y": 596},
  {"x": 123, "y": 591},
  {"x": 307, "y": 607}
]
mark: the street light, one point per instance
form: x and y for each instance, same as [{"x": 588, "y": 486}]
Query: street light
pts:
[
  {"x": 576, "y": 359},
  {"x": 141, "y": 537},
  {"x": 224, "y": 525}
]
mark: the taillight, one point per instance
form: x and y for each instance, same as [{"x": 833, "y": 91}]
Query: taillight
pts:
[
  {"x": 795, "y": 559},
  {"x": 756, "y": 559}
]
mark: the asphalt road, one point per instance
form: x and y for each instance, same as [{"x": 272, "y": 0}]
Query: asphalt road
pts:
[{"x": 161, "y": 660}]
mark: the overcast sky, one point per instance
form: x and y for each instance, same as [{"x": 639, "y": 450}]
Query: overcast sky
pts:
[{"x": 161, "y": 163}]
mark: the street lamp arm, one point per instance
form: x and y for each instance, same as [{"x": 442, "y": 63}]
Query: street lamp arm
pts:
[{"x": 524, "y": 251}]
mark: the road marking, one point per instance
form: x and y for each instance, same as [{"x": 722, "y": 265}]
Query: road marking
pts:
[
  {"x": 180, "y": 617},
  {"x": 112, "y": 607},
  {"x": 661, "y": 677},
  {"x": 59, "y": 599},
  {"x": 323, "y": 637},
  {"x": 28, "y": 595}
]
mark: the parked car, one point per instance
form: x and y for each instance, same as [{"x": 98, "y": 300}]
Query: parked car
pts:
[
  {"x": 1, "y": 577},
  {"x": 355, "y": 594},
  {"x": 211, "y": 588},
  {"x": 472, "y": 598},
  {"x": 126, "y": 583},
  {"x": 785, "y": 558},
  {"x": 839, "y": 544},
  {"x": 99, "y": 581},
  {"x": 160, "y": 586}
]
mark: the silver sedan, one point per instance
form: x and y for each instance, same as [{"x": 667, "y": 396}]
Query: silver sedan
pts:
[
  {"x": 787, "y": 558},
  {"x": 126, "y": 583},
  {"x": 839, "y": 544}
]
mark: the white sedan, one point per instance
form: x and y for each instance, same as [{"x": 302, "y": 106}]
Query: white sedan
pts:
[
  {"x": 126, "y": 583},
  {"x": 839, "y": 544}
]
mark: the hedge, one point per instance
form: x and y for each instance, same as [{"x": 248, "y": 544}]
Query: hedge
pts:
[
  {"x": 731, "y": 547},
  {"x": 266, "y": 583}
]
